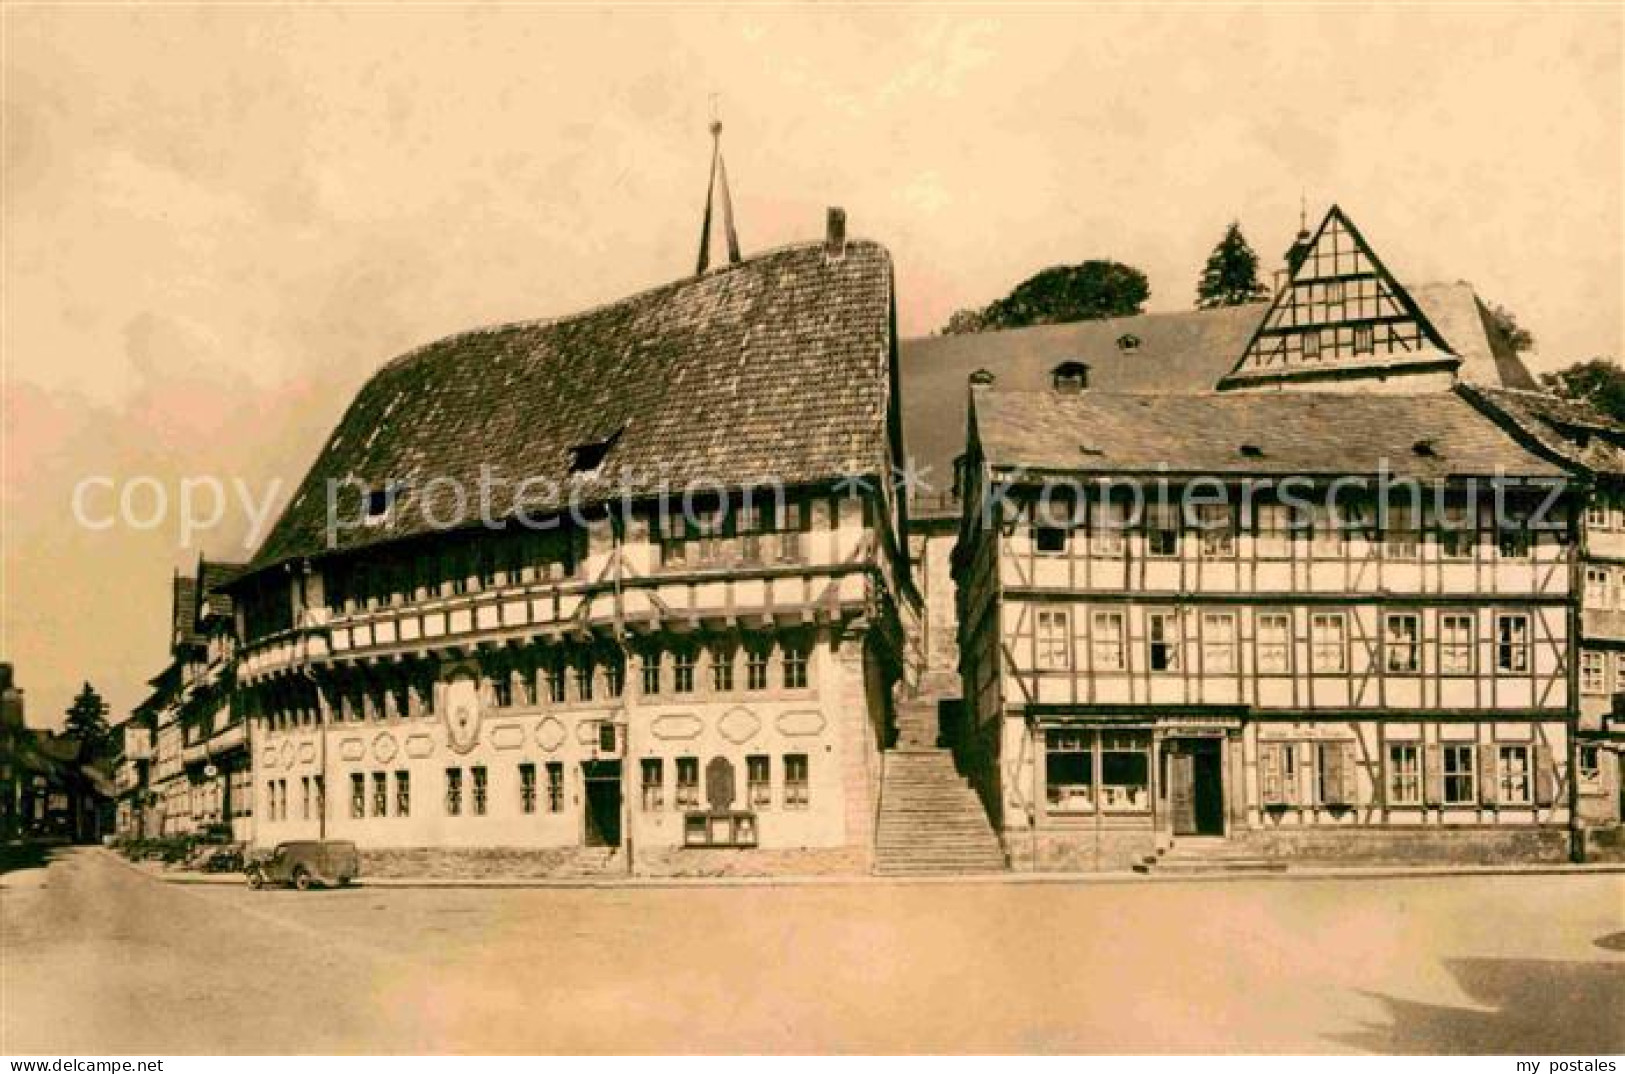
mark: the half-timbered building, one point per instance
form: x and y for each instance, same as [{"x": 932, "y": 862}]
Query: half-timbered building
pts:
[
  {"x": 623, "y": 589},
  {"x": 1305, "y": 624}
]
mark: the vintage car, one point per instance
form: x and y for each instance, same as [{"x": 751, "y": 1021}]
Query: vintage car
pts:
[{"x": 305, "y": 863}]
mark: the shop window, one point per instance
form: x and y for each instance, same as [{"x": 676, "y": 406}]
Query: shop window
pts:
[
  {"x": 1328, "y": 642},
  {"x": 1162, "y": 641},
  {"x": 1512, "y": 643},
  {"x": 688, "y": 783},
  {"x": 1218, "y": 643},
  {"x": 795, "y": 665},
  {"x": 480, "y": 788},
  {"x": 1054, "y": 642},
  {"x": 380, "y": 794},
  {"x": 796, "y": 793},
  {"x": 1274, "y": 643},
  {"x": 527, "y": 788},
  {"x": 1404, "y": 774},
  {"x": 358, "y": 795},
  {"x": 1069, "y": 772},
  {"x": 758, "y": 781},
  {"x": 654, "y": 784},
  {"x": 1513, "y": 785},
  {"x": 454, "y": 792},
  {"x": 1460, "y": 785},
  {"x": 1401, "y": 647},
  {"x": 1456, "y": 644},
  {"x": 555, "y": 787},
  {"x": 403, "y": 793},
  {"x": 1107, "y": 649},
  {"x": 1125, "y": 772}
]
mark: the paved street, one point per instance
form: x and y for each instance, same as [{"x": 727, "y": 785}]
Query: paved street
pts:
[{"x": 99, "y": 958}]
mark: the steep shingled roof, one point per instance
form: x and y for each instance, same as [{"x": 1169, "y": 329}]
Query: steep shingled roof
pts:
[
  {"x": 1571, "y": 431},
  {"x": 1179, "y": 353},
  {"x": 1290, "y": 433},
  {"x": 775, "y": 367},
  {"x": 212, "y": 576},
  {"x": 183, "y": 609}
]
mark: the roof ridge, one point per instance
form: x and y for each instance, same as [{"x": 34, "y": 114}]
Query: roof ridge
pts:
[{"x": 626, "y": 300}]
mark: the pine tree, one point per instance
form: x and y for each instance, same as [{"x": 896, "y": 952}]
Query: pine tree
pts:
[
  {"x": 1231, "y": 275},
  {"x": 87, "y": 721}
]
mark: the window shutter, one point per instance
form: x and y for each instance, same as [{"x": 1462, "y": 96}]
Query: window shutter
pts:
[
  {"x": 1294, "y": 790},
  {"x": 1330, "y": 776},
  {"x": 1545, "y": 777},
  {"x": 1351, "y": 774},
  {"x": 1433, "y": 775},
  {"x": 1271, "y": 774},
  {"x": 1487, "y": 782}
]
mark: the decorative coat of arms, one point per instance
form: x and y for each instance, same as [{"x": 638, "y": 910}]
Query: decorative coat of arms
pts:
[{"x": 462, "y": 709}]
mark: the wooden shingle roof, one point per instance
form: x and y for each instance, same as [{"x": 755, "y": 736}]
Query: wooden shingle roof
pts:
[
  {"x": 775, "y": 368},
  {"x": 1428, "y": 437},
  {"x": 1569, "y": 431}
]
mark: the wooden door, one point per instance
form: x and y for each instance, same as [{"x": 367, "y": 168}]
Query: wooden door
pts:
[{"x": 1182, "y": 789}]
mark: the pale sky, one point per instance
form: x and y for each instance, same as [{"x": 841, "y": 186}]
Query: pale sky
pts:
[{"x": 218, "y": 223}]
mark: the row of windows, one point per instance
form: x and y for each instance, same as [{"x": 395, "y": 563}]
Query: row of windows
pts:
[
  {"x": 1594, "y": 667},
  {"x": 758, "y": 782},
  {"x": 720, "y": 668},
  {"x": 1278, "y": 529},
  {"x": 1217, "y": 647},
  {"x": 1460, "y": 774},
  {"x": 478, "y": 788},
  {"x": 1605, "y": 587}
]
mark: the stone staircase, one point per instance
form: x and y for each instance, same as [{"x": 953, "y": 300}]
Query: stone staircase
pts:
[
  {"x": 1205, "y": 856},
  {"x": 931, "y": 822}
]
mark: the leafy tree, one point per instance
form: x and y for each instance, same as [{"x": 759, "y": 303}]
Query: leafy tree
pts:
[
  {"x": 1599, "y": 382},
  {"x": 87, "y": 721},
  {"x": 1060, "y": 295},
  {"x": 1511, "y": 332},
  {"x": 1230, "y": 277}
]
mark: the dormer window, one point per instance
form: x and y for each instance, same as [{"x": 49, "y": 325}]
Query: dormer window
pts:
[
  {"x": 1252, "y": 451},
  {"x": 381, "y": 500},
  {"x": 586, "y": 460},
  {"x": 1426, "y": 449},
  {"x": 1070, "y": 378},
  {"x": 1128, "y": 343}
]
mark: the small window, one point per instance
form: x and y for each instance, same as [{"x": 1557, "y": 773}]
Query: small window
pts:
[
  {"x": 615, "y": 675},
  {"x": 527, "y": 788},
  {"x": 382, "y": 499},
  {"x": 1218, "y": 643},
  {"x": 722, "y": 669},
  {"x": 1054, "y": 642},
  {"x": 1590, "y": 764},
  {"x": 682, "y": 667},
  {"x": 501, "y": 690},
  {"x": 1512, "y": 643},
  {"x": 1128, "y": 343},
  {"x": 1274, "y": 643},
  {"x": 1328, "y": 642},
  {"x": 454, "y": 792},
  {"x": 1070, "y": 377},
  {"x": 758, "y": 781},
  {"x": 1162, "y": 532},
  {"x": 583, "y": 671},
  {"x": 1401, "y": 644},
  {"x": 1514, "y": 785},
  {"x": 795, "y": 666},
  {"x": 1459, "y": 782},
  {"x": 1456, "y": 644},
  {"x": 1311, "y": 345},
  {"x": 480, "y": 788},
  {"x": 358, "y": 795},
  {"x": 1593, "y": 672},
  {"x": 403, "y": 793},
  {"x": 1049, "y": 540},
  {"x": 1404, "y": 774},
  {"x": 651, "y": 673},
  {"x": 1364, "y": 339},
  {"x": 555, "y": 787},
  {"x": 380, "y": 794},
  {"x": 796, "y": 794},
  {"x": 1218, "y": 526},
  {"x": 1106, "y": 642},
  {"x": 756, "y": 667},
  {"x": 688, "y": 782},
  {"x": 1162, "y": 640},
  {"x": 654, "y": 784}
]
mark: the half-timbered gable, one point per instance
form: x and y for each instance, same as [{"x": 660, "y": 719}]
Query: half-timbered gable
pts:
[
  {"x": 668, "y": 619},
  {"x": 1306, "y": 623}
]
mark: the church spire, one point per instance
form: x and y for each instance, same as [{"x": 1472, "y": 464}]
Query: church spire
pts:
[{"x": 717, "y": 189}]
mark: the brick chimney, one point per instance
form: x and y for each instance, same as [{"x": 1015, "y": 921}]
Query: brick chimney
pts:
[{"x": 835, "y": 232}]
